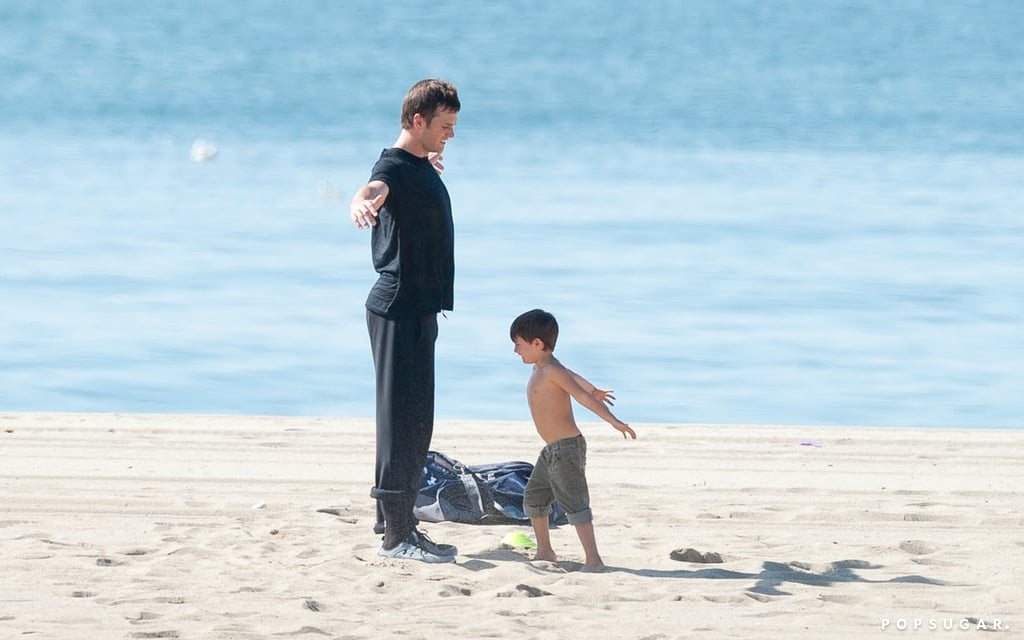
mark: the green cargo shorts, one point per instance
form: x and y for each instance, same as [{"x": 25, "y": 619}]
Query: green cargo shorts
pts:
[{"x": 560, "y": 476}]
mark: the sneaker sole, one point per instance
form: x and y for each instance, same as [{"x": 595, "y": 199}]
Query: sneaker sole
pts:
[{"x": 406, "y": 551}]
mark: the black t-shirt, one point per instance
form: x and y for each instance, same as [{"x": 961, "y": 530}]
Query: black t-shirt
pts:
[{"x": 413, "y": 242}]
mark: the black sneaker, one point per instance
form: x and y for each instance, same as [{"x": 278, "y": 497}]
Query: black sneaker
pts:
[
  {"x": 412, "y": 548},
  {"x": 419, "y": 538}
]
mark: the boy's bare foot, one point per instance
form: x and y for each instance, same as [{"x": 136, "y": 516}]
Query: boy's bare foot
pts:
[
  {"x": 593, "y": 568},
  {"x": 546, "y": 556}
]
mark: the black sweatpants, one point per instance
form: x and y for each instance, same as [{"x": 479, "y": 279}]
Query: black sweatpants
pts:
[{"x": 403, "y": 358}]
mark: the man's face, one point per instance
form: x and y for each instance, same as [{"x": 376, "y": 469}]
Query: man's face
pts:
[{"x": 433, "y": 136}]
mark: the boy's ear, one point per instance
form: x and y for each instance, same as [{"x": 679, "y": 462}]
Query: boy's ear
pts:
[{"x": 538, "y": 344}]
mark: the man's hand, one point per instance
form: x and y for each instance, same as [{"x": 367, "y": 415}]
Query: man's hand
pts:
[{"x": 364, "y": 212}]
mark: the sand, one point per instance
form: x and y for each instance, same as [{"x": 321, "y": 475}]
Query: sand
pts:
[{"x": 190, "y": 526}]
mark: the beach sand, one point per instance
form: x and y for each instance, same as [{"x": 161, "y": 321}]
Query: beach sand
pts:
[{"x": 191, "y": 526}]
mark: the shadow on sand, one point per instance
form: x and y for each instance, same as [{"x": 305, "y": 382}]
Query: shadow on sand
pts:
[{"x": 774, "y": 575}]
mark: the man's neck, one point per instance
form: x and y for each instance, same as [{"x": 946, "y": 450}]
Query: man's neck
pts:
[{"x": 409, "y": 144}]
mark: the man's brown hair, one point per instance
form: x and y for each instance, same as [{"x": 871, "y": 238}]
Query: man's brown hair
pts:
[{"x": 427, "y": 98}]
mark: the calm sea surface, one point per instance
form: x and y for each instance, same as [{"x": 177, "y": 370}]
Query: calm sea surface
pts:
[{"x": 740, "y": 211}]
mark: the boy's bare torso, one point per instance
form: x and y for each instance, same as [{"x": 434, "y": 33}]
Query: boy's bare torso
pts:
[{"x": 550, "y": 404}]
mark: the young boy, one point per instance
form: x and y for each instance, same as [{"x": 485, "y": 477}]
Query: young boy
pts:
[{"x": 559, "y": 475}]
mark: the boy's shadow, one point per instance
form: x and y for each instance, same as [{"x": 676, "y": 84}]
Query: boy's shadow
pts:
[
  {"x": 768, "y": 581},
  {"x": 775, "y": 574}
]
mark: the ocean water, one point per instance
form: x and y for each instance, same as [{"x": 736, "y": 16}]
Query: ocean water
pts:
[{"x": 740, "y": 211}]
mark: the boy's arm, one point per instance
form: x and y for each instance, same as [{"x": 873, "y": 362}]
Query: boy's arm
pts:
[
  {"x": 567, "y": 381},
  {"x": 435, "y": 159},
  {"x": 601, "y": 394}
]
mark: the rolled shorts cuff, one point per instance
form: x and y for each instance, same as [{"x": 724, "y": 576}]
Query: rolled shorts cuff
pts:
[
  {"x": 536, "y": 512},
  {"x": 581, "y": 517}
]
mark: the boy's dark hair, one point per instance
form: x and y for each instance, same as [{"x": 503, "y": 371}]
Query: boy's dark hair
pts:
[
  {"x": 426, "y": 98},
  {"x": 536, "y": 323}
]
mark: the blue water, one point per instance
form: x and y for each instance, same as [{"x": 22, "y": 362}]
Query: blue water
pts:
[{"x": 740, "y": 211}]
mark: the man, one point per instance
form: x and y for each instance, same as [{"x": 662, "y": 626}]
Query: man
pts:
[{"x": 413, "y": 251}]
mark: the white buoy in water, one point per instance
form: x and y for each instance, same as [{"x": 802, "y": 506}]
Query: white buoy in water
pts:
[{"x": 203, "y": 150}]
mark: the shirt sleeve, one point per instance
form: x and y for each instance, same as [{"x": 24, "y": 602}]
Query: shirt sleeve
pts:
[{"x": 384, "y": 171}]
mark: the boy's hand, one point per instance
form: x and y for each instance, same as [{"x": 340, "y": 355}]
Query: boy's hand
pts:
[
  {"x": 627, "y": 431},
  {"x": 435, "y": 159},
  {"x": 604, "y": 396}
]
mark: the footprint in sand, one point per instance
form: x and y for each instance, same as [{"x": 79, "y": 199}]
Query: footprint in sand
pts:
[
  {"x": 729, "y": 598},
  {"x": 708, "y": 516},
  {"x": 918, "y": 547},
  {"x": 341, "y": 512},
  {"x": 841, "y": 599},
  {"x": 525, "y": 591},
  {"x": 143, "y": 617},
  {"x": 545, "y": 566},
  {"x": 450, "y": 590},
  {"x": 692, "y": 555},
  {"x": 925, "y": 517},
  {"x": 562, "y": 566},
  {"x": 137, "y": 552},
  {"x": 303, "y": 631},
  {"x": 760, "y": 597}
]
